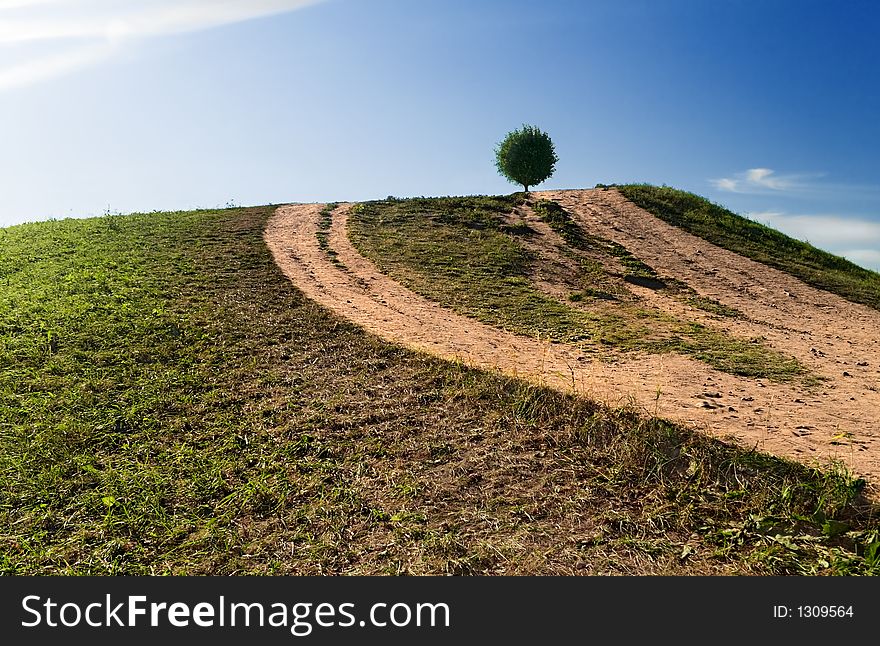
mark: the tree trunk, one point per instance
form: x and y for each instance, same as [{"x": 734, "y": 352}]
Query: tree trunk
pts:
[{"x": 526, "y": 186}]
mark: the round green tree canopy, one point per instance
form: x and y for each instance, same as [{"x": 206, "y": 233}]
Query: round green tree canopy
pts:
[{"x": 526, "y": 156}]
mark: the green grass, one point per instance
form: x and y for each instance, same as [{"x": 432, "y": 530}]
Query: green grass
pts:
[
  {"x": 169, "y": 403},
  {"x": 323, "y": 232},
  {"x": 461, "y": 253},
  {"x": 733, "y": 232}
]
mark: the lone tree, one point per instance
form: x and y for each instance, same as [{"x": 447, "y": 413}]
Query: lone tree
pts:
[{"x": 526, "y": 156}]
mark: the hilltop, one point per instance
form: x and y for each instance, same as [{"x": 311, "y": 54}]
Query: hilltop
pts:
[{"x": 474, "y": 385}]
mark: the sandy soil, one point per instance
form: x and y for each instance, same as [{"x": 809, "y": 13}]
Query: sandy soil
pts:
[{"x": 839, "y": 421}]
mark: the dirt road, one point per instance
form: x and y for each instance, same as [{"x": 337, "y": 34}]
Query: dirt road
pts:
[{"x": 839, "y": 421}]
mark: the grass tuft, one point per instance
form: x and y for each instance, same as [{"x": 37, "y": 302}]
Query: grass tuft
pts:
[{"x": 323, "y": 233}]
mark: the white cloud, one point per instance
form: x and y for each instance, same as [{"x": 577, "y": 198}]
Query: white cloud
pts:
[
  {"x": 15, "y": 4},
  {"x": 47, "y": 67},
  {"x": 833, "y": 230},
  {"x": 90, "y": 28},
  {"x": 767, "y": 178},
  {"x": 869, "y": 258},
  {"x": 758, "y": 180},
  {"x": 853, "y": 238},
  {"x": 725, "y": 184},
  {"x": 830, "y": 229},
  {"x": 138, "y": 18}
]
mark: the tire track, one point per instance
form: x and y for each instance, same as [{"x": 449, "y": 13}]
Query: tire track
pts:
[{"x": 780, "y": 419}]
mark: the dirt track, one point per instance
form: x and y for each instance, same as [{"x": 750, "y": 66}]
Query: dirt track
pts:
[{"x": 840, "y": 421}]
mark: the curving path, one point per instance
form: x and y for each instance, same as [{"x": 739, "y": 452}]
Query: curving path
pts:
[{"x": 839, "y": 422}]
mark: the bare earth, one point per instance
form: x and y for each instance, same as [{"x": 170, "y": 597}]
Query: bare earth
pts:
[{"x": 837, "y": 421}]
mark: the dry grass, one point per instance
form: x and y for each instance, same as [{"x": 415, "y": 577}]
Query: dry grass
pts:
[{"x": 169, "y": 403}]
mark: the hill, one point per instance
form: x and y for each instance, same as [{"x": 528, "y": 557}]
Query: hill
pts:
[
  {"x": 754, "y": 240},
  {"x": 172, "y": 403}
]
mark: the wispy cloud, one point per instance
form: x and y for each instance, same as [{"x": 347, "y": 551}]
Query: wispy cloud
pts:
[
  {"x": 760, "y": 180},
  {"x": 832, "y": 230},
  {"x": 854, "y": 238},
  {"x": 725, "y": 184},
  {"x": 869, "y": 258},
  {"x": 766, "y": 181},
  {"x": 15, "y": 4},
  {"x": 89, "y": 30},
  {"x": 768, "y": 178},
  {"x": 47, "y": 67}
]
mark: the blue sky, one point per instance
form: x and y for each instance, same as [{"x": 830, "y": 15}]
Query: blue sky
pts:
[{"x": 769, "y": 107}]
